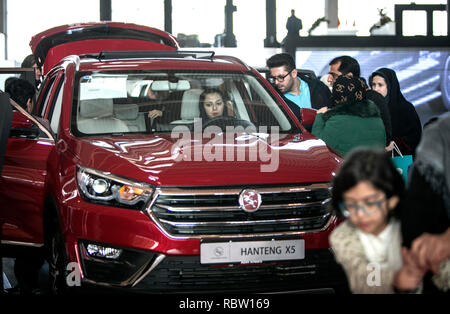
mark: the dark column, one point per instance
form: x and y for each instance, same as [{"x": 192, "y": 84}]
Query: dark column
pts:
[
  {"x": 331, "y": 13},
  {"x": 429, "y": 23},
  {"x": 168, "y": 16},
  {"x": 230, "y": 39},
  {"x": 105, "y": 10},
  {"x": 448, "y": 18},
  {"x": 398, "y": 18},
  {"x": 3, "y": 25},
  {"x": 271, "y": 24}
]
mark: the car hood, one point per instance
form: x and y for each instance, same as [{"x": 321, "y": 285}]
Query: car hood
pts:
[{"x": 240, "y": 160}]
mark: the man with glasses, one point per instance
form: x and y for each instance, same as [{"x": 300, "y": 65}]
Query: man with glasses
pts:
[{"x": 297, "y": 89}]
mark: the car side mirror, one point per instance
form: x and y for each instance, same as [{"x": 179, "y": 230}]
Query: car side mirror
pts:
[
  {"x": 308, "y": 116},
  {"x": 20, "y": 121},
  {"x": 21, "y": 126}
]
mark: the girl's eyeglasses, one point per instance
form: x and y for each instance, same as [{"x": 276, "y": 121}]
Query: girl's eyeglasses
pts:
[{"x": 367, "y": 207}]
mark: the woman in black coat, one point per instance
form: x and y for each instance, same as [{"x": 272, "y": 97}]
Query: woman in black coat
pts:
[{"x": 406, "y": 126}]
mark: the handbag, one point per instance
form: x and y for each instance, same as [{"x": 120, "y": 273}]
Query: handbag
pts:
[{"x": 402, "y": 162}]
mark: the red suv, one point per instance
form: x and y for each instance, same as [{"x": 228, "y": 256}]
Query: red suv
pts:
[{"x": 118, "y": 173}]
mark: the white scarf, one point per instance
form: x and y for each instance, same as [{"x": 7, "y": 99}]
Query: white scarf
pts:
[{"x": 384, "y": 248}]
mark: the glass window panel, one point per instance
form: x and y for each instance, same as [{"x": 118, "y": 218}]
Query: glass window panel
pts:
[
  {"x": 414, "y": 23},
  {"x": 143, "y": 12},
  {"x": 27, "y": 18},
  {"x": 439, "y": 23},
  {"x": 250, "y": 23},
  {"x": 308, "y": 12},
  {"x": 203, "y": 18}
]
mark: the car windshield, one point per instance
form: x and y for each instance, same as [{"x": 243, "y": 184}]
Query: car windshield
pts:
[{"x": 111, "y": 102}]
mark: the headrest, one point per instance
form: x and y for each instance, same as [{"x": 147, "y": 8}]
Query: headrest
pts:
[
  {"x": 190, "y": 104},
  {"x": 96, "y": 108},
  {"x": 165, "y": 85},
  {"x": 126, "y": 112}
]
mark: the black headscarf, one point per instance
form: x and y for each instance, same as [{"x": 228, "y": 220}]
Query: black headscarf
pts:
[
  {"x": 349, "y": 97},
  {"x": 406, "y": 126}
]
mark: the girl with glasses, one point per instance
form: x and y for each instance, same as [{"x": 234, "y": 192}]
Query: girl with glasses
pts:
[{"x": 367, "y": 244}]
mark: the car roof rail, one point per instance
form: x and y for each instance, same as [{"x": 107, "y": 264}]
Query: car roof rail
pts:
[
  {"x": 233, "y": 59},
  {"x": 139, "y": 54}
]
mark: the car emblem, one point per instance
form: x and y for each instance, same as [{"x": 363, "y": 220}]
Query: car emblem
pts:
[
  {"x": 218, "y": 251},
  {"x": 249, "y": 200}
]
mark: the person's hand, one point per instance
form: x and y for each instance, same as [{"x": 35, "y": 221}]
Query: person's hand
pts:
[
  {"x": 429, "y": 250},
  {"x": 390, "y": 147},
  {"x": 322, "y": 110},
  {"x": 230, "y": 110},
  {"x": 155, "y": 113},
  {"x": 410, "y": 276}
]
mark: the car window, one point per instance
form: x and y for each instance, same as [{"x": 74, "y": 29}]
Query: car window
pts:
[
  {"x": 121, "y": 102},
  {"x": 46, "y": 95},
  {"x": 56, "y": 110}
]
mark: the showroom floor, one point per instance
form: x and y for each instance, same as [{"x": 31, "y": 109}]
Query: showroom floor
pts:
[{"x": 9, "y": 280}]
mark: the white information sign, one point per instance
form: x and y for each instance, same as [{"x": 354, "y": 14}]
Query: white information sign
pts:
[{"x": 249, "y": 252}]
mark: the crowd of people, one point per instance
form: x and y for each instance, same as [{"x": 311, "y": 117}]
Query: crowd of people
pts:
[{"x": 395, "y": 237}]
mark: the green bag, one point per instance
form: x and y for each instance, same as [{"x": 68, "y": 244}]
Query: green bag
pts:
[{"x": 402, "y": 162}]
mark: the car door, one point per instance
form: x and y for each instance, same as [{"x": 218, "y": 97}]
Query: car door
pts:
[{"x": 23, "y": 179}]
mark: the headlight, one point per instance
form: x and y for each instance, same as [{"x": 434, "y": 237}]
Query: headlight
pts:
[{"x": 104, "y": 188}]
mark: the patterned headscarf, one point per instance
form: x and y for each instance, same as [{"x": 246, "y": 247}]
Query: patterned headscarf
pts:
[{"x": 348, "y": 89}]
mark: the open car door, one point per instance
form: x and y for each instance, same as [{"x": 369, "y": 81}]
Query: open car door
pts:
[{"x": 23, "y": 177}]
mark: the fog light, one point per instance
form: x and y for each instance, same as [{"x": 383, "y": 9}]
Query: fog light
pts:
[{"x": 104, "y": 252}]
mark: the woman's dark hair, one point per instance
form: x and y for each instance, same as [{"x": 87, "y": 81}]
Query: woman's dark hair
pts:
[
  {"x": 369, "y": 165},
  {"x": 207, "y": 91},
  {"x": 28, "y": 62}
]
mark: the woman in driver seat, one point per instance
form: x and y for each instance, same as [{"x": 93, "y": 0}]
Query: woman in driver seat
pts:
[{"x": 212, "y": 104}]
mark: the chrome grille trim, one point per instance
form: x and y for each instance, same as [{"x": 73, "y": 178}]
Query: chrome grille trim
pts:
[
  {"x": 248, "y": 222},
  {"x": 225, "y": 208},
  {"x": 172, "y": 208}
]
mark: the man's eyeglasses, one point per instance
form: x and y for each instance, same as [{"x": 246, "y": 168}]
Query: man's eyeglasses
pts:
[
  {"x": 367, "y": 208},
  {"x": 280, "y": 78}
]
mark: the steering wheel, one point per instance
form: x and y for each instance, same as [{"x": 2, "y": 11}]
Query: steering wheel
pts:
[{"x": 223, "y": 122}]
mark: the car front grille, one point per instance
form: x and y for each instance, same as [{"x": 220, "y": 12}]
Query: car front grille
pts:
[
  {"x": 186, "y": 274},
  {"x": 216, "y": 212}
]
